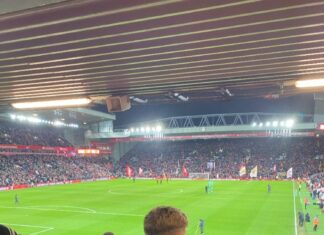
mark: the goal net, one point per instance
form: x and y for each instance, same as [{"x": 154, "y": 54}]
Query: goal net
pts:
[{"x": 199, "y": 176}]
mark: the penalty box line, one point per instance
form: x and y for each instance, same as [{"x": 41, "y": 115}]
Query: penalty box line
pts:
[{"x": 44, "y": 228}]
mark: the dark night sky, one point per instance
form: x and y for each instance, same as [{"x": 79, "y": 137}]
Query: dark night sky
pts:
[{"x": 139, "y": 113}]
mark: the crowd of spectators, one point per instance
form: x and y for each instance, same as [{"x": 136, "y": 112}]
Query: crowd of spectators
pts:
[
  {"x": 273, "y": 156},
  {"x": 26, "y": 135},
  {"x": 37, "y": 169}
]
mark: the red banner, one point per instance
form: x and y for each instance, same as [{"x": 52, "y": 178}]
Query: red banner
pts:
[
  {"x": 128, "y": 171},
  {"x": 184, "y": 171}
]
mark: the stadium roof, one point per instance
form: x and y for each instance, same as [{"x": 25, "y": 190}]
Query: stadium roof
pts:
[
  {"x": 81, "y": 116},
  {"x": 150, "y": 48}
]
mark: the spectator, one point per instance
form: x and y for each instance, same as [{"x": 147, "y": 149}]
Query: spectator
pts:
[
  {"x": 4, "y": 230},
  {"x": 165, "y": 221}
]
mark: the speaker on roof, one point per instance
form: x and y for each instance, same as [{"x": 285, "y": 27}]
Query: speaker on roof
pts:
[{"x": 118, "y": 103}]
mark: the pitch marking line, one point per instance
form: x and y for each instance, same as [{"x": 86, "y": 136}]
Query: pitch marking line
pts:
[
  {"x": 58, "y": 207},
  {"x": 293, "y": 193},
  {"x": 44, "y": 229},
  {"x": 71, "y": 211}
]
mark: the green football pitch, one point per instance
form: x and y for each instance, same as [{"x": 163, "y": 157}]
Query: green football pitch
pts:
[{"x": 119, "y": 206}]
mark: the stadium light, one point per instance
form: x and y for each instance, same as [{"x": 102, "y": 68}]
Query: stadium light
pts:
[
  {"x": 254, "y": 124},
  {"x": 290, "y": 123},
  {"x": 275, "y": 123},
  {"x": 36, "y": 120},
  {"x": 132, "y": 130},
  {"x": 137, "y": 130},
  {"x": 52, "y": 103},
  {"x": 147, "y": 129},
  {"x": 282, "y": 123},
  {"x": 142, "y": 129},
  {"x": 158, "y": 128},
  {"x": 58, "y": 123},
  {"x": 309, "y": 83},
  {"x": 261, "y": 124},
  {"x": 268, "y": 124}
]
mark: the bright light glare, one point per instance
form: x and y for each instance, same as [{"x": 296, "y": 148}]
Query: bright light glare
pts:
[
  {"x": 290, "y": 122},
  {"x": 34, "y": 120},
  {"x": 147, "y": 129},
  {"x": 275, "y": 123},
  {"x": 254, "y": 124},
  {"x": 132, "y": 130},
  {"x": 58, "y": 123},
  {"x": 142, "y": 129},
  {"x": 268, "y": 124},
  {"x": 282, "y": 123},
  {"x": 158, "y": 128},
  {"x": 309, "y": 83},
  {"x": 52, "y": 103},
  {"x": 12, "y": 116},
  {"x": 261, "y": 124}
]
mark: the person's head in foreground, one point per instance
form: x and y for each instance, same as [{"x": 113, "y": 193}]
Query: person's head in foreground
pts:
[
  {"x": 4, "y": 230},
  {"x": 165, "y": 220},
  {"x": 108, "y": 233}
]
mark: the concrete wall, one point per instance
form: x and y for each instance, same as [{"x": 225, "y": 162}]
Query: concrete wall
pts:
[
  {"x": 120, "y": 149},
  {"x": 75, "y": 136}
]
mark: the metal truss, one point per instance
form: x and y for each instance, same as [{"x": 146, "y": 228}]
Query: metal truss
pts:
[{"x": 229, "y": 119}]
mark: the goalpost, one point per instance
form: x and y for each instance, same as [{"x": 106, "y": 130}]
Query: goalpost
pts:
[{"x": 199, "y": 176}]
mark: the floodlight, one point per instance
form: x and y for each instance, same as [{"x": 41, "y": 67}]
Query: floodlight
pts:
[
  {"x": 261, "y": 124},
  {"x": 282, "y": 123},
  {"x": 275, "y": 123},
  {"x": 52, "y": 103},
  {"x": 254, "y": 124},
  {"x": 132, "y": 130},
  {"x": 290, "y": 122},
  {"x": 138, "y": 100},
  {"x": 33, "y": 119},
  {"x": 12, "y": 116},
  {"x": 268, "y": 124},
  {"x": 137, "y": 129},
  {"x": 142, "y": 129},
  {"x": 309, "y": 83},
  {"x": 58, "y": 123},
  {"x": 21, "y": 118},
  {"x": 158, "y": 128},
  {"x": 147, "y": 129}
]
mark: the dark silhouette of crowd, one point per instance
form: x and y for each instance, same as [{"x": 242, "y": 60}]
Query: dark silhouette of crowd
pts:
[
  {"x": 273, "y": 156},
  {"x": 18, "y": 134}
]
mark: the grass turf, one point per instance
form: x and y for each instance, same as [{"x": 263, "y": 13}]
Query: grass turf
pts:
[{"x": 235, "y": 207}]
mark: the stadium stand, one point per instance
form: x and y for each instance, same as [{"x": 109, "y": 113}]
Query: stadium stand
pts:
[
  {"x": 26, "y": 135},
  {"x": 315, "y": 186},
  {"x": 31, "y": 170},
  {"x": 302, "y": 154}
]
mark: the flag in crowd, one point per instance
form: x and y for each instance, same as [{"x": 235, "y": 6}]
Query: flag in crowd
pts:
[
  {"x": 242, "y": 170},
  {"x": 140, "y": 171},
  {"x": 184, "y": 171},
  {"x": 254, "y": 172},
  {"x": 128, "y": 171},
  {"x": 290, "y": 173}
]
